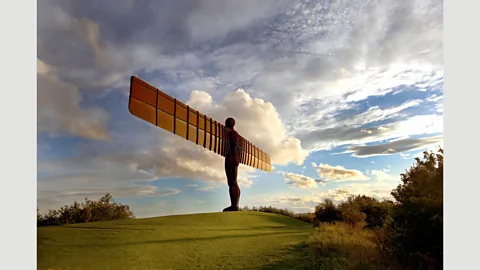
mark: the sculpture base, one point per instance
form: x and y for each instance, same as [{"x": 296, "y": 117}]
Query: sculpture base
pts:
[{"x": 231, "y": 209}]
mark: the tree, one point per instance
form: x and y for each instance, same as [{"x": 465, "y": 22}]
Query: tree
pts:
[
  {"x": 351, "y": 213},
  {"x": 376, "y": 213},
  {"x": 415, "y": 234}
]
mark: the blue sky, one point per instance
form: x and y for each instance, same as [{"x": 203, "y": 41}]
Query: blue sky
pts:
[{"x": 341, "y": 94}]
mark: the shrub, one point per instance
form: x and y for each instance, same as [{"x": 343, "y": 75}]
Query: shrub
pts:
[
  {"x": 351, "y": 214},
  {"x": 90, "y": 211},
  {"x": 341, "y": 246}
]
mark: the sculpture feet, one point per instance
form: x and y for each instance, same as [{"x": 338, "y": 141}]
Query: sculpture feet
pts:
[{"x": 231, "y": 208}]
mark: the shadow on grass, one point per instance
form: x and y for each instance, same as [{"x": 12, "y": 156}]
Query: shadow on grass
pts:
[
  {"x": 266, "y": 228},
  {"x": 285, "y": 220},
  {"x": 299, "y": 258},
  {"x": 189, "y": 239},
  {"x": 103, "y": 228}
]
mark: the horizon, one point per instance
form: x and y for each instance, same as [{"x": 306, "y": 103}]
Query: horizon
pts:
[{"x": 343, "y": 95}]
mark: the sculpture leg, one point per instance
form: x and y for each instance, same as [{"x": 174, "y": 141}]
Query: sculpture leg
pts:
[{"x": 233, "y": 188}]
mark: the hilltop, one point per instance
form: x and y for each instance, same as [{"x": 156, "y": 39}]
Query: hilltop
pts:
[{"x": 235, "y": 240}]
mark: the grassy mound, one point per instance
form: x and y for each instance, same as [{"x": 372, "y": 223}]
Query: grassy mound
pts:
[{"x": 236, "y": 240}]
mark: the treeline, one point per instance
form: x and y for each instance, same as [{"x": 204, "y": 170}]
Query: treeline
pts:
[
  {"x": 104, "y": 209},
  {"x": 356, "y": 210}
]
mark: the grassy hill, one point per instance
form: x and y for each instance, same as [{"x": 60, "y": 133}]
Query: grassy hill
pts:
[{"x": 234, "y": 240}]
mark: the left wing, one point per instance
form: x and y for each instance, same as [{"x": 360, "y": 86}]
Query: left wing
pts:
[{"x": 156, "y": 107}]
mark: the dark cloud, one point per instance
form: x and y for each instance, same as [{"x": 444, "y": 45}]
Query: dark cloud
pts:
[
  {"x": 281, "y": 50},
  {"x": 394, "y": 147},
  {"x": 60, "y": 111}
]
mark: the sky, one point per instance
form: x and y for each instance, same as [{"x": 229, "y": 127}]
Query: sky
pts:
[{"x": 343, "y": 95}]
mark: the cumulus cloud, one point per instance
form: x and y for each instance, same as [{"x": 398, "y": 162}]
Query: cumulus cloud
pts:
[
  {"x": 394, "y": 146},
  {"x": 299, "y": 180},
  {"x": 338, "y": 173},
  {"x": 256, "y": 120},
  {"x": 59, "y": 111}
]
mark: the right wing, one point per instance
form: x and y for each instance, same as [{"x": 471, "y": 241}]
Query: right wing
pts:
[{"x": 156, "y": 107}]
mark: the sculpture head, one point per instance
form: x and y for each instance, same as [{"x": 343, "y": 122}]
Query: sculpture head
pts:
[{"x": 230, "y": 122}]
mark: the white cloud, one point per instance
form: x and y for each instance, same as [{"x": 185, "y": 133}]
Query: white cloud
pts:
[
  {"x": 299, "y": 180},
  {"x": 338, "y": 173},
  {"x": 256, "y": 120}
]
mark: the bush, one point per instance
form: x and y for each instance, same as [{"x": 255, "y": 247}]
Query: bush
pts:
[
  {"x": 90, "y": 211},
  {"x": 341, "y": 246},
  {"x": 327, "y": 212},
  {"x": 414, "y": 236}
]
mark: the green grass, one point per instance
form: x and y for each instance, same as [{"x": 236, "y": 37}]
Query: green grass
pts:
[
  {"x": 341, "y": 246},
  {"x": 233, "y": 240}
]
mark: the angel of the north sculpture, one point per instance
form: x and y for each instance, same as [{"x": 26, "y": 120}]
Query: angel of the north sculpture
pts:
[{"x": 156, "y": 107}]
